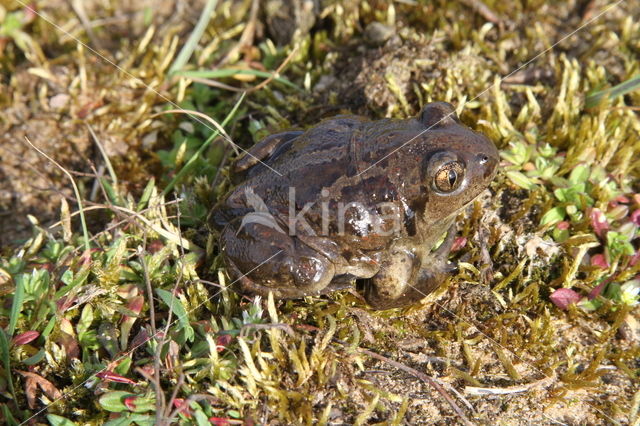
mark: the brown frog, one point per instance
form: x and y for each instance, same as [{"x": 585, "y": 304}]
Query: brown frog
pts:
[{"x": 352, "y": 199}]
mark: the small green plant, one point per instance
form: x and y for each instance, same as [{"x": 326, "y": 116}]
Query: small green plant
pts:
[{"x": 13, "y": 28}]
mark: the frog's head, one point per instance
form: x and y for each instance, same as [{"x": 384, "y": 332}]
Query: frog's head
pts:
[{"x": 457, "y": 165}]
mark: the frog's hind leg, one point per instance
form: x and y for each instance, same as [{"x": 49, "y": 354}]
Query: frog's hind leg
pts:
[{"x": 263, "y": 258}]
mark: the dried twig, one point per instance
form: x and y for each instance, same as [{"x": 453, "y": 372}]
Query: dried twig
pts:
[
  {"x": 478, "y": 391},
  {"x": 420, "y": 375},
  {"x": 276, "y": 72},
  {"x": 81, "y": 13},
  {"x": 85, "y": 230},
  {"x": 246, "y": 39}
]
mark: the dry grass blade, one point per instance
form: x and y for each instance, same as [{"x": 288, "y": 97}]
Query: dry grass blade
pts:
[
  {"x": 481, "y": 391},
  {"x": 246, "y": 39},
  {"x": 103, "y": 152},
  {"x": 276, "y": 72},
  {"x": 80, "y": 11},
  {"x": 194, "y": 37},
  {"x": 269, "y": 79}
]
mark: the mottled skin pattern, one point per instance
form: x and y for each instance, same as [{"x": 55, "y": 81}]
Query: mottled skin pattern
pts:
[{"x": 425, "y": 183}]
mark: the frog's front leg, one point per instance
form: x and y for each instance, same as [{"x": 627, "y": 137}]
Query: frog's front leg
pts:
[
  {"x": 407, "y": 276},
  {"x": 264, "y": 258}
]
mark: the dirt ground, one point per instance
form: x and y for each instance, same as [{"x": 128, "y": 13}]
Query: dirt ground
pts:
[{"x": 53, "y": 102}]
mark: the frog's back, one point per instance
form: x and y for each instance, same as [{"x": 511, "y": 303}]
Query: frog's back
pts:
[
  {"x": 317, "y": 158},
  {"x": 321, "y": 144}
]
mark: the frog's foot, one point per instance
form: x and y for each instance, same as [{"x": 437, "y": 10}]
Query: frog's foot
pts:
[
  {"x": 379, "y": 297},
  {"x": 265, "y": 259},
  {"x": 388, "y": 288},
  {"x": 405, "y": 278}
]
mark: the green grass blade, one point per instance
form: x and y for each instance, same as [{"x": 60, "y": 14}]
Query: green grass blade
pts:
[
  {"x": 228, "y": 72},
  {"x": 16, "y": 305},
  {"x": 6, "y": 362},
  {"x": 195, "y": 36},
  {"x": 8, "y": 416},
  {"x": 110, "y": 191},
  {"x": 187, "y": 167},
  {"x": 593, "y": 99},
  {"x": 177, "y": 307},
  {"x": 146, "y": 195}
]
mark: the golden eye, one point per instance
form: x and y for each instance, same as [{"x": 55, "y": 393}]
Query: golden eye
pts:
[{"x": 448, "y": 177}]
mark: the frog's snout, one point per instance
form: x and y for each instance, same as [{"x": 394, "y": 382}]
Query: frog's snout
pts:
[{"x": 488, "y": 164}]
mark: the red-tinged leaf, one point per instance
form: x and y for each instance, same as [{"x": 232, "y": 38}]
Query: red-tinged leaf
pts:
[
  {"x": 563, "y": 297},
  {"x": 622, "y": 199},
  {"x": 31, "y": 384},
  {"x": 130, "y": 402},
  {"x": 89, "y": 107},
  {"x": 598, "y": 289},
  {"x": 635, "y": 217},
  {"x": 136, "y": 304},
  {"x": 155, "y": 246},
  {"x": 205, "y": 324},
  {"x": 599, "y": 260},
  {"x": 85, "y": 258},
  {"x": 30, "y": 13},
  {"x": 223, "y": 341},
  {"x": 148, "y": 370},
  {"x": 67, "y": 339},
  {"x": 219, "y": 421},
  {"x": 48, "y": 266},
  {"x": 139, "y": 339},
  {"x": 127, "y": 291},
  {"x": 182, "y": 407},
  {"x": 599, "y": 222},
  {"x": 110, "y": 376},
  {"x": 26, "y": 337},
  {"x": 563, "y": 226},
  {"x": 65, "y": 303},
  {"x": 458, "y": 243},
  {"x": 306, "y": 327},
  {"x": 635, "y": 258}
]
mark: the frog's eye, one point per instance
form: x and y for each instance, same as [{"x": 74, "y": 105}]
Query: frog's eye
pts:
[{"x": 448, "y": 177}]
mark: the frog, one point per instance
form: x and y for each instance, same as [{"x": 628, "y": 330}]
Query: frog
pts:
[{"x": 353, "y": 203}]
